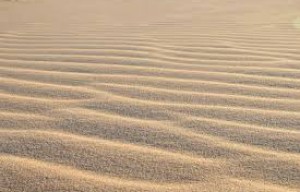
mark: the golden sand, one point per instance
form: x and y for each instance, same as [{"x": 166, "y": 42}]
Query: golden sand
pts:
[{"x": 144, "y": 95}]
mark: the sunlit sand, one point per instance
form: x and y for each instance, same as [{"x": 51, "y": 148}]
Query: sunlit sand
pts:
[{"x": 145, "y": 95}]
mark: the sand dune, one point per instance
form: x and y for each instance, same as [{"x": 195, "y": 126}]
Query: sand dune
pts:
[{"x": 144, "y": 95}]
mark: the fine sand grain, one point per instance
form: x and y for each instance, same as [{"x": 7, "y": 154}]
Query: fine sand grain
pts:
[{"x": 146, "y": 95}]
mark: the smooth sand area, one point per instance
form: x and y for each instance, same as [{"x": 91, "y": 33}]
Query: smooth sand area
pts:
[{"x": 150, "y": 95}]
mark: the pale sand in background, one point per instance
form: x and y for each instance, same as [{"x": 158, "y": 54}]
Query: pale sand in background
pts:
[{"x": 145, "y": 95}]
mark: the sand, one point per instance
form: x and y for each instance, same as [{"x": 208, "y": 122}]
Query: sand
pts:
[{"x": 144, "y": 95}]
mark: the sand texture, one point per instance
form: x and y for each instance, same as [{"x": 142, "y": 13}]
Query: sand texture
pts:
[{"x": 150, "y": 95}]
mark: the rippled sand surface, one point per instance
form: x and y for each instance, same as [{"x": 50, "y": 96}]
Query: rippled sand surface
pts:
[{"x": 144, "y": 95}]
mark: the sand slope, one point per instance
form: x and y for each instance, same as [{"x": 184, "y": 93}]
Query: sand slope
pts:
[{"x": 140, "y": 95}]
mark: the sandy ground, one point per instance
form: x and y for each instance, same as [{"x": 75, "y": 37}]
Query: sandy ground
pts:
[{"x": 144, "y": 95}]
